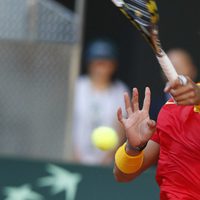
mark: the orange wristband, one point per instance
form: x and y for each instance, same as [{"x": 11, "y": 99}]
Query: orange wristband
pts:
[{"x": 128, "y": 164}]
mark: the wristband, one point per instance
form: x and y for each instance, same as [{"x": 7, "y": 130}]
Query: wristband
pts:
[{"x": 128, "y": 164}]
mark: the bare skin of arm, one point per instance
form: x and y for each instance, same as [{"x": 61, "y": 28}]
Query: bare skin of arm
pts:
[{"x": 139, "y": 129}]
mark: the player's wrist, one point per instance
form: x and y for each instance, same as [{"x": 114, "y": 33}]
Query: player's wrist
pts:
[{"x": 134, "y": 151}]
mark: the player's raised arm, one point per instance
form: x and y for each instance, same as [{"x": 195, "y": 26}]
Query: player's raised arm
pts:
[{"x": 131, "y": 159}]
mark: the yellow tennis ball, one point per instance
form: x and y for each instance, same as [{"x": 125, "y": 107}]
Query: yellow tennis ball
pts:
[{"x": 104, "y": 138}]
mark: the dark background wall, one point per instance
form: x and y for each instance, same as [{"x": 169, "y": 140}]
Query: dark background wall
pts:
[{"x": 179, "y": 27}]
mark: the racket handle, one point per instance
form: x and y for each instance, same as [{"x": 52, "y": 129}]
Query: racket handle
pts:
[{"x": 167, "y": 67}]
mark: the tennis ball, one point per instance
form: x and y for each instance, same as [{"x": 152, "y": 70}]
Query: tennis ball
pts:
[{"x": 104, "y": 138}]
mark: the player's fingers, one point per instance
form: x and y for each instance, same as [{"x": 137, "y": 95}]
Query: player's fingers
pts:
[
  {"x": 179, "y": 91},
  {"x": 120, "y": 117},
  {"x": 135, "y": 100},
  {"x": 167, "y": 87},
  {"x": 184, "y": 103},
  {"x": 172, "y": 85},
  {"x": 147, "y": 100},
  {"x": 185, "y": 96},
  {"x": 127, "y": 104},
  {"x": 151, "y": 124},
  {"x": 190, "y": 88}
]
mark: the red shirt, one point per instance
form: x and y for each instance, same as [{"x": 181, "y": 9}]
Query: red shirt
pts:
[{"x": 178, "y": 171}]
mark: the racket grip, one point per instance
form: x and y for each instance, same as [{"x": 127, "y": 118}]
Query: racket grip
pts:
[{"x": 167, "y": 67}]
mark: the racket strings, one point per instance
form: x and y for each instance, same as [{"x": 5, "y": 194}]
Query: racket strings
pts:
[
  {"x": 140, "y": 2},
  {"x": 138, "y": 5},
  {"x": 138, "y": 10},
  {"x": 143, "y": 12}
]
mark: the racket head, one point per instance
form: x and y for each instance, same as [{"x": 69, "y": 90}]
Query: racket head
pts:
[{"x": 144, "y": 15}]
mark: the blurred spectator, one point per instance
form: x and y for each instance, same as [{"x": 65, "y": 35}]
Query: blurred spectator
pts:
[
  {"x": 100, "y": 110},
  {"x": 184, "y": 65}
]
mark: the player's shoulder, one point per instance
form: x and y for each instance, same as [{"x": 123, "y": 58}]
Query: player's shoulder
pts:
[
  {"x": 173, "y": 107},
  {"x": 174, "y": 112}
]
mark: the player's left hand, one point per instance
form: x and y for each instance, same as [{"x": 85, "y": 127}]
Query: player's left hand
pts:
[{"x": 184, "y": 94}]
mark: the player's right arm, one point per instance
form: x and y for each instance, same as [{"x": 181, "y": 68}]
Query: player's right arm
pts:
[{"x": 139, "y": 129}]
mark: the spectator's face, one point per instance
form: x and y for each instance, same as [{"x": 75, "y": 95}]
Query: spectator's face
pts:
[
  {"x": 102, "y": 69},
  {"x": 183, "y": 64}
]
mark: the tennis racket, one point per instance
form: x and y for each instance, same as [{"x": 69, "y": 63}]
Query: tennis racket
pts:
[{"x": 143, "y": 14}]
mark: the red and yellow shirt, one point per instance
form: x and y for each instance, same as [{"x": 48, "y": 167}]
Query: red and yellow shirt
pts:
[{"x": 178, "y": 133}]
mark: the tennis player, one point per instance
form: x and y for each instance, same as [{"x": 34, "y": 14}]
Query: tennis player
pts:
[{"x": 174, "y": 143}]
